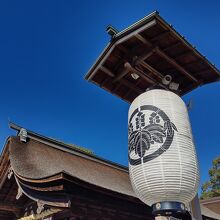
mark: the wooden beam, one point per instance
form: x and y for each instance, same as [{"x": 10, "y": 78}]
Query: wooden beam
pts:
[
  {"x": 174, "y": 63},
  {"x": 141, "y": 74},
  {"x": 107, "y": 71},
  {"x": 125, "y": 82},
  {"x": 139, "y": 30},
  {"x": 143, "y": 40},
  {"x": 152, "y": 69},
  {"x": 172, "y": 46},
  {"x": 138, "y": 60},
  {"x": 119, "y": 76},
  {"x": 169, "y": 59},
  {"x": 122, "y": 80},
  {"x": 145, "y": 55},
  {"x": 159, "y": 36},
  {"x": 156, "y": 82},
  {"x": 124, "y": 72},
  {"x": 128, "y": 68}
]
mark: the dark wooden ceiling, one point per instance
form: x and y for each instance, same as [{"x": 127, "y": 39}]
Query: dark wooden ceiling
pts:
[{"x": 151, "y": 48}]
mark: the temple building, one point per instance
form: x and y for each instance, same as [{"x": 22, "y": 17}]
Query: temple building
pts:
[{"x": 41, "y": 178}]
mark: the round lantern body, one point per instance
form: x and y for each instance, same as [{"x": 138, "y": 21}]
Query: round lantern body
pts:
[{"x": 163, "y": 164}]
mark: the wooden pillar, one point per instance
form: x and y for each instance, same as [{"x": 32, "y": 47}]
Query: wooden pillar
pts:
[{"x": 195, "y": 208}]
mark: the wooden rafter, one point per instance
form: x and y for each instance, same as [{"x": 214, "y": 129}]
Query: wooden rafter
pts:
[
  {"x": 124, "y": 72},
  {"x": 170, "y": 60},
  {"x": 141, "y": 74},
  {"x": 159, "y": 36},
  {"x": 145, "y": 55},
  {"x": 123, "y": 80},
  {"x": 140, "y": 60},
  {"x": 107, "y": 71},
  {"x": 143, "y": 40},
  {"x": 128, "y": 68},
  {"x": 172, "y": 46},
  {"x": 174, "y": 63},
  {"x": 151, "y": 69}
]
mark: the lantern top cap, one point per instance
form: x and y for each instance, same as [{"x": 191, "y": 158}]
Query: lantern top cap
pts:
[{"x": 141, "y": 55}]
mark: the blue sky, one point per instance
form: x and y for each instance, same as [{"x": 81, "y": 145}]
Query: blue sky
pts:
[{"x": 46, "y": 48}]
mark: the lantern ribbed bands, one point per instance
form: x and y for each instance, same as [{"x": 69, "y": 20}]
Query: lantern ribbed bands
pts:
[{"x": 162, "y": 158}]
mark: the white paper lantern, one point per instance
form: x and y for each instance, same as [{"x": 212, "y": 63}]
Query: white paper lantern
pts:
[{"x": 162, "y": 158}]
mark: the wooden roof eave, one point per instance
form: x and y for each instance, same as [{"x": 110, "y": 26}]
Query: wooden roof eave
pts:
[
  {"x": 43, "y": 199},
  {"x": 183, "y": 40},
  {"x": 118, "y": 39},
  {"x": 29, "y": 191},
  {"x": 38, "y": 177},
  {"x": 134, "y": 31},
  {"x": 48, "y": 179},
  {"x": 137, "y": 24}
]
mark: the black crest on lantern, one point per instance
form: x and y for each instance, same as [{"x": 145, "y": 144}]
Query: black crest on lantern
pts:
[{"x": 146, "y": 131}]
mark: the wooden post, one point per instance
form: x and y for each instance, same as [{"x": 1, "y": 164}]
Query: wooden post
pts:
[{"x": 195, "y": 208}]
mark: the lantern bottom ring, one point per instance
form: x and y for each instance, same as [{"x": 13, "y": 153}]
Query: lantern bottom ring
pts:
[{"x": 168, "y": 208}]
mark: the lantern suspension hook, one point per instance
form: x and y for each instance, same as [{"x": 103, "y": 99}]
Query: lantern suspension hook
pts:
[{"x": 167, "y": 81}]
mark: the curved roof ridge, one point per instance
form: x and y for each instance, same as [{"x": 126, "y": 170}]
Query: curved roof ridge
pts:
[{"x": 67, "y": 147}]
